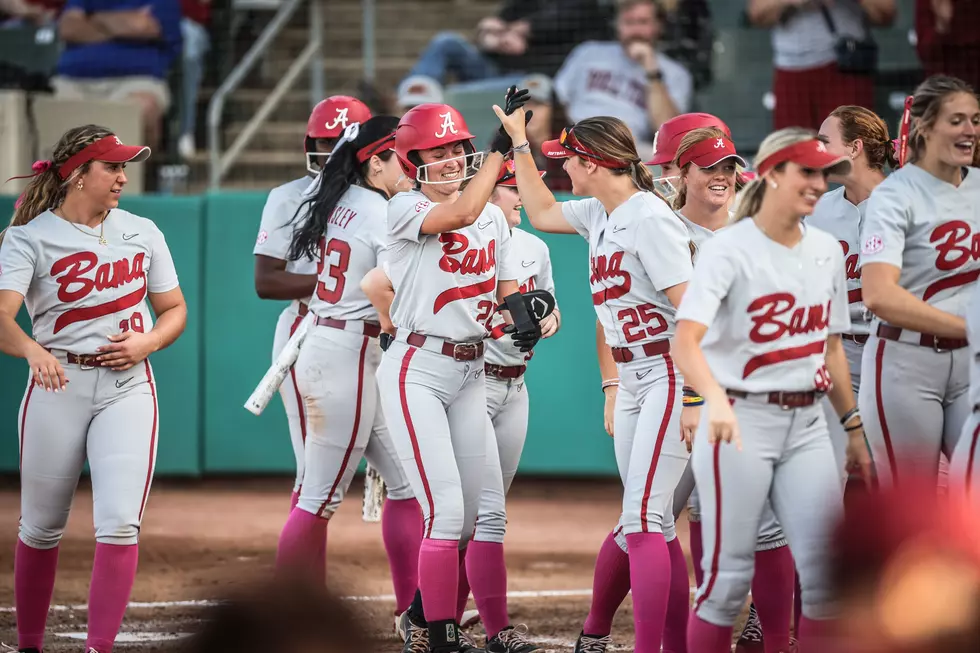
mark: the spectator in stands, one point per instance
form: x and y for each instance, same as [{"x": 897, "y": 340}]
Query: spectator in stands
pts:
[
  {"x": 809, "y": 83},
  {"x": 417, "y": 90},
  {"x": 194, "y": 23},
  {"x": 629, "y": 79},
  {"x": 35, "y": 12},
  {"x": 688, "y": 36},
  {"x": 526, "y": 36},
  {"x": 948, "y": 41},
  {"x": 120, "y": 50}
]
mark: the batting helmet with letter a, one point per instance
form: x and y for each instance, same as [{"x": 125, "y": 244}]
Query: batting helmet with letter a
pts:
[
  {"x": 428, "y": 126},
  {"x": 329, "y": 119}
]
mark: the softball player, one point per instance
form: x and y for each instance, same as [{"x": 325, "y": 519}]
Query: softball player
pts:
[
  {"x": 919, "y": 265},
  {"x": 507, "y": 415},
  {"x": 278, "y": 277},
  {"x": 862, "y": 137},
  {"x": 89, "y": 272},
  {"x": 668, "y": 139},
  {"x": 640, "y": 263},
  {"x": 768, "y": 298},
  {"x": 706, "y": 164},
  {"x": 449, "y": 261},
  {"x": 963, "y": 468},
  {"x": 343, "y": 223}
]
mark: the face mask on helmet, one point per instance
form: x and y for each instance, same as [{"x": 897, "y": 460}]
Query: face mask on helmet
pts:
[
  {"x": 314, "y": 158},
  {"x": 471, "y": 163},
  {"x": 666, "y": 187}
]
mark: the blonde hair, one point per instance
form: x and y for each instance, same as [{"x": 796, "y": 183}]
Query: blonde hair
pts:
[
  {"x": 927, "y": 101},
  {"x": 748, "y": 201},
  {"x": 47, "y": 190},
  {"x": 612, "y": 140},
  {"x": 691, "y": 139},
  {"x": 858, "y": 123}
]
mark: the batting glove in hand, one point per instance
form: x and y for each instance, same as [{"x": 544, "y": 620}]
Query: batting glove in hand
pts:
[
  {"x": 514, "y": 100},
  {"x": 525, "y": 340}
]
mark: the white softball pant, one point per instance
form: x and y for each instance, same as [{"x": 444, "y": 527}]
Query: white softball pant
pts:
[
  {"x": 914, "y": 402},
  {"x": 336, "y": 372},
  {"x": 786, "y": 458},
  {"x": 436, "y": 410},
  {"x": 109, "y": 418},
  {"x": 507, "y": 410},
  {"x": 292, "y": 400},
  {"x": 838, "y": 436}
]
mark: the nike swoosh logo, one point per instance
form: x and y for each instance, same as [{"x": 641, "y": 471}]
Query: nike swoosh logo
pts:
[
  {"x": 642, "y": 376},
  {"x": 616, "y": 230},
  {"x": 120, "y": 384},
  {"x": 129, "y": 236},
  {"x": 485, "y": 224},
  {"x": 527, "y": 264},
  {"x": 812, "y": 422}
]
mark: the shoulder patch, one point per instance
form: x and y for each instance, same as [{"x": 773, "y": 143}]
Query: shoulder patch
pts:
[
  {"x": 263, "y": 236},
  {"x": 421, "y": 206},
  {"x": 872, "y": 244}
]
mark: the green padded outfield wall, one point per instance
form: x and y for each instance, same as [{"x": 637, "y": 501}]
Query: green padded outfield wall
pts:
[{"x": 206, "y": 376}]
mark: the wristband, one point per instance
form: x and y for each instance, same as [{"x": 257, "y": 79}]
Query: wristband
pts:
[
  {"x": 608, "y": 383},
  {"x": 690, "y": 392},
  {"x": 690, "y": 402},
  {"x": 523, "y": 149},
  {"x": 848, "y": 415},
  {"x": 854, "y": 428}
]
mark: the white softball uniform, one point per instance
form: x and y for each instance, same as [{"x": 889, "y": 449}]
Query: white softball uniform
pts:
[
  {"x": 507, "y": 399},
  {"x": 77, "y": 292},
  {"x": 431, "y": 378},
  {"x": 836, "y": 215},
  {"x": 770, "y": 532},
  {"x": 636, "y": 253},
  {"x": 337, "y": 366},
  {"x": 914, "y": 396},
  {"x": 769, "y": 310},
  {"x": 273, "y": 240},
  {"x": 965, "y": 464}
]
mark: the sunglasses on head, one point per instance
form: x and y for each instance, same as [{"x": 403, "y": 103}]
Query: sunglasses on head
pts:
[{"x": 568, "y": 141}]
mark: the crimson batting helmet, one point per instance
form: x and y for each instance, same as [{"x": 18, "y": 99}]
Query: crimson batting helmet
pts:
[
  {"x": 427, "y": 126},
  {"x": 668, "y": 137},
  {"x": 329, "y": 119}
]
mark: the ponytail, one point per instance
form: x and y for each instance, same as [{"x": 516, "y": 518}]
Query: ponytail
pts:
[
  {"x": 750, "y": 199},
  {"x": 44, "y": 191},
  {"x": 680, "y": 198},
  {"x": 642, "y": 176},
  {"x": 891, "y": 155}
]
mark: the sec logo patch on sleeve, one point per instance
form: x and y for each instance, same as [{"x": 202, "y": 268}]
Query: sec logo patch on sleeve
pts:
[
  {"x": 263, "y": 236},
  {"x": 421, "y": 206},
  {"x": 872, "y": 244}
]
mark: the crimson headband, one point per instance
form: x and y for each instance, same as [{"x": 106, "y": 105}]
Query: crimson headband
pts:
[
  {"x": 567, "y": 144},
  {"x": 377, "y": 147},
  {"x": 903, "y": 131}
]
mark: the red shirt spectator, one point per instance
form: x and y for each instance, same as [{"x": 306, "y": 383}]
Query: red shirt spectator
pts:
[
  {"x": 949, "y": 38},
  {"x": 196, "y": 10}
]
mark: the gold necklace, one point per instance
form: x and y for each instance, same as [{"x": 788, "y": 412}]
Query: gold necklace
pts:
[{"x": 101, "y": 236}]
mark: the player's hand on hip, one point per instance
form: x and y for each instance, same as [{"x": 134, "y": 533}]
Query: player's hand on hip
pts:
[
  {"x": 127, "y": 349},
  {"x": 722, "y": 425},
  {"x": 386, "y": 324},
  {"x": 46, "y": 370},
  {"x": 690, "y": 418},
  {"x": 859, "y": 458},
  {"x": 549, "y": 326},
  {"x": 609, "y": 410}
]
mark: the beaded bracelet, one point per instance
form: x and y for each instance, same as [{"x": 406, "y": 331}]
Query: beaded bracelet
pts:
[{"x": 525, "y": 148}]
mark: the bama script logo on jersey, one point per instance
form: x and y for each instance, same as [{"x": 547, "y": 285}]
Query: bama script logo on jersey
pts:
[
  {"x": 776, "y": 316},
  {"x": 76, "y": 281},
  {"x": 604, "y": 269},
  {"x": 459, "y": 258},
  {"x": 956, "y": 246}
]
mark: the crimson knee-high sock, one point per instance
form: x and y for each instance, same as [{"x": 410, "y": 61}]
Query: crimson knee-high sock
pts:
[
  {"x": 439, "y": 578},
  {"x": 463, "y": 591},
  {"x": 817, "y": 636},
  {"x": 772, "y": 591},
  {"x": 797, "y": 607},
  {"x": 302, "y": 543},
  {"x": 697, "y": 551},
  {"x": 34, "y": 572},
  {"x": 678, "y": 602},
  {"x": 650, "y": 582},
  {"x": 293, "y": 500},
  {"x": 487, "y": 572},
  {"x": 401, "y": 531},
  {"x": 703, "y": 637},
  {"x": 610, "y": 585},
  {"x": 112, "y": 581}
]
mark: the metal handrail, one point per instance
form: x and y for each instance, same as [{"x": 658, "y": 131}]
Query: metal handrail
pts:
[{"x": 220, "y": 164}]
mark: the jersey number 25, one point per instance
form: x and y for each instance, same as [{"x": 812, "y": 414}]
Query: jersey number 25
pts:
[
  {"x": 637, "y": 322},
  {"x": 328, "y": 250}
]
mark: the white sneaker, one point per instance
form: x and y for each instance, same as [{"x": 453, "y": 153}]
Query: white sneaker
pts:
[
  {"x": 186, "y": 146},
  {"x": 470, "y": 619}
]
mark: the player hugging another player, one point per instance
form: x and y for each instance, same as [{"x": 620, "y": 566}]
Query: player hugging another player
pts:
[
  {"x": 89, "y": 272},
  {"x": 919, "y": 265},
  {"x": 341, "y": 222},
  {"x": 758, "y": 337},
  {"x": 640, "y": 261}
]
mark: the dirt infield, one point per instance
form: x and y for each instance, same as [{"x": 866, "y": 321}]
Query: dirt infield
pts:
[{"x": 199, "y": 539}]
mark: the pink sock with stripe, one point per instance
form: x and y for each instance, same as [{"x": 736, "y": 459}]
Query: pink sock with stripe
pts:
[
  {"x": 703, "y": 637},
  {"x": 439, "y": 578},
  {"x": 463, "y": 593},
  {"x": 401, "y": 531},
  {"x": 772, "y": 593},
  {"x": 650, "y": 583},
  {"x": 487, "y": 572},
  {"x": 610, "y": 585},
  {"x": 302, "y": 545},
  {"x": 697, "y": 552},
  {"x": 679, "y": 601},
  {"x": 112, "y": 582},
  {"x": 34, "y": 572}
]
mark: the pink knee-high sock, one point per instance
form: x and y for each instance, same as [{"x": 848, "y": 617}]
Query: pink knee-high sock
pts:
[
  {"x": 300, "y": 544},
  {"x": 463, "y": 591},
  {"x": 678, "y": 602},
  {"x": 610, "y": 585},
  {"x": 650, "y": 582},
  {"x": 439, "y": 578},
  {"x": 797, "y": 607},
  {"x": 703, "y": 637},
  {"x": 817, "y": 636},
  {"x": 772, "y": 589},
  {"x": 293, "y": 500},
  {"x": 488, "y": 576},
  {"x": 34, "y": 572},
  {"x": 112, "y": 581},
  {"x": 401, "y": 530},
  {"x": 697, "y": 551}
]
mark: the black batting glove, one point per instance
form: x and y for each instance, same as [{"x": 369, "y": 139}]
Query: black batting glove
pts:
[
  {"x": 501, "y": 140},
  {"x": 524, "y": 340}
]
